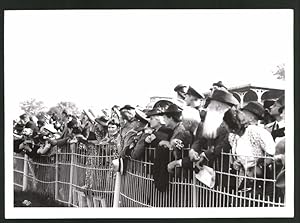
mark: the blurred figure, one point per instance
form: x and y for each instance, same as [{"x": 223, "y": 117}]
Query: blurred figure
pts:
[
  {"x": 181, "y": 90},
  {"x": 277, "y": 128}
]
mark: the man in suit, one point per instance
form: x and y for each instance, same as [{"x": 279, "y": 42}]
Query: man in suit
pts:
[{"x": 277, "y": 128}]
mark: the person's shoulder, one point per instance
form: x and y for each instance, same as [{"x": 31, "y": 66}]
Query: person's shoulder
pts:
[{"x": 255, "y": 129}]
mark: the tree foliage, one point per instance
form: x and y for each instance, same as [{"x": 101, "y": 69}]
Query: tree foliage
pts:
[
  {"x": 32, "y": 106},
  {"x": 280, "y": 72},
  {"x": 64, "y": 105}
]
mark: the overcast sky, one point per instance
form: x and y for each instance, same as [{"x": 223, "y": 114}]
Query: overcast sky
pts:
[{"x": 98, "y": 58}]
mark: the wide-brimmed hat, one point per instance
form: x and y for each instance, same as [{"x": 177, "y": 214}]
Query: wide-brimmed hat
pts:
[
  {"x": 103, "y": 120},
  {"x": 50, "y": 128},
  {"x": 256, "y": 108},
  {"x": 193, "y": 92},
  {"x": 162, "y": 104},
  {"x": 141, "y": 115},
  {"x": 127, "y": 107},
  {"x": 173, "y": 108},
  {"x": 219, "y": 84},
  {"x": 179, "y": 88},
  {"x": 225, "y": 97},
  {"x": 154, "y": 111},
  {"x": 268, "y": 103}
]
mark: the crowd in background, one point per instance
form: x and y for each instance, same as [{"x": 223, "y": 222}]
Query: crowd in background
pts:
[{"x": 194, "y": 132}]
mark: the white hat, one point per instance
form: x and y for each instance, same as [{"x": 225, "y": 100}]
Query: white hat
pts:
[{"x": 50, "y": 128}]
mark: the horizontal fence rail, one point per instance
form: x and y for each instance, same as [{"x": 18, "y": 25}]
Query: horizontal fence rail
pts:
[{"x": 80, "y": 175}]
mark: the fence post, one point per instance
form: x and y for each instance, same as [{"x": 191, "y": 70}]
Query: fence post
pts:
[
  {"x": 25, "y": 173},
  {"x": 56, "y": 175},
  {"x": 72, "y": 146},
  {"x": 194, "y": 187},
  {"x": 117, "y": 190}
]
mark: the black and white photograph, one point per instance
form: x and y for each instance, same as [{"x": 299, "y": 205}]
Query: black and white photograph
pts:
[{"x": 126, "y": 110}]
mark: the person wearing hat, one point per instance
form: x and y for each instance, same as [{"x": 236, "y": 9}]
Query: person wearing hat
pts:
[
  {"x": 25, "y": 120},
  {"x": 101, "y": 127},
  {"x": 152, "y": 135},
  {"x": 135, "y": 129},
  {"x": 268, "y": 118},
  {"x": 219, "y": 86},
  {"x": 212, "y": 134},
  {"x": 249, "y": 143},
  {"x": 253, "y": 111},
  {"x": 181, "y": 91},
  {"x": 277, "y": 110},
  {"x": 181, "y": 138},
  {"x": 48, "y": 132},
  {"x": 193, "y": 98}
]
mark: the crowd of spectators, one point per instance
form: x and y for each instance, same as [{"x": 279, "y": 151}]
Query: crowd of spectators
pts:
[{"x": 195, "y": 128}]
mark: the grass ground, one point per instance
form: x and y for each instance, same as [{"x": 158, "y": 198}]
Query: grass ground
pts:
[{"x": 34, "y": 199}]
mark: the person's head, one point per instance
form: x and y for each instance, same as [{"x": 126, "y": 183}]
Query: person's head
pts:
[
  {"x": 193, "y": 98},
  {"x": 253, "y": 111},
  {"x": 127, "y": 112},
  {"x": 277, "y": 108},
  {"x": 172, "y": 115},
  {"x": 24, "y": 118},
  {"x": 235, "y": 121},
  {"x": 181, "y": 90},
  {"x": 220, "y": 102},
  {"x": 156, "y": 120},
  {"x": 65, "y": 115},
  {"x": 113, "y": 127},
  {"x": 41, "y": 123},
  {"x": 102, "y": 122}
]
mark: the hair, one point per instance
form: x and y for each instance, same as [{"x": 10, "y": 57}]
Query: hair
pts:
[
  {"x": 177, "y": 117},
  {"x": 235, "y": 120},
  {"x": 113, "y": 122}
]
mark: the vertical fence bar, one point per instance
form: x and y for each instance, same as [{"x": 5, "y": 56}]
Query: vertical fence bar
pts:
[
  {"x": 56, "y": 175},
  {"x": 72, "y": 148},
  {"x": 25, "y": 173},
  {"x": 194, "y": 187},
  {"x": 117, "y": 190}
]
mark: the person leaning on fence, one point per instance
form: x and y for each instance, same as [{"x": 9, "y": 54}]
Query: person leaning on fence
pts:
[
  {"x": 212, "y": 137},
  {"x": 180, "y": 139},
  {"x": 47, "y": 133},
  {"x": 250, "y": 143},
  {"x": 151, "y": 136},
  {"x": 131, "y": 137}
]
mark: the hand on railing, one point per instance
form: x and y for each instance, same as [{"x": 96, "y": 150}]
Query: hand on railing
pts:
[
  {"x": 173, "y": 164},
  {"x": 194, "y": 156},
  {"x": 165, "y": 143},
  {"x": 237, "y": 165}
]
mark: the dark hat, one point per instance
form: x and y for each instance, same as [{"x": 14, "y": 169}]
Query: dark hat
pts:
[
  {"x": 141, "y": 115},
  {"x": 162, "y": 104},
  {"x": 172, "y": 109},
  {"x": 225, "y": 97},
  {"x": 154, "y": 111},
  {"x": 256, "y": 108},
  {"x": 179, "y": 87},
  {"x": 127, "y": 107},
  {"x": 23, "y": 116},
  {"x": 268, "y": 103},
  {"x": 193, "y": 92},
  {"x": 219, "y": 84},
  {"x": 72, "y": 123},
  {"x": 103, "y": 120}
]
